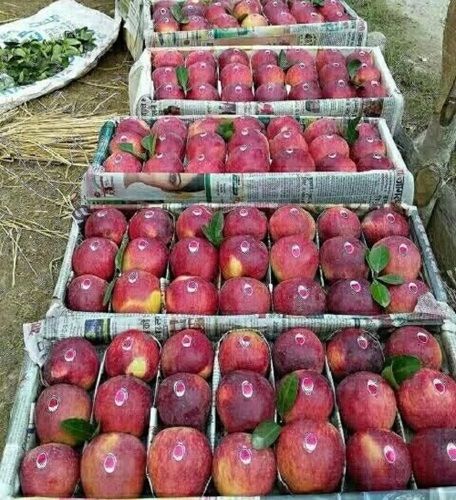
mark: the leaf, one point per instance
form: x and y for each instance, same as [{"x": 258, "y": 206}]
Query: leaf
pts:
[
  {"x": 391, "y": 279},
  {"x": 127, "y": 147},
  {"x": 283, "y": 61},
  {"x": 353, "y": 67},
  {"x": 179, "y": 16},
  {"x": 214, "y": 230},
  {"x": 288, "y": 391},
  {"x": 148, "y": 143},
  {"x": 380, "y": 293},
  {"x": 378, "y": 258},
  {"x": 226, "y": 129},
  {"x": 80, "y": 429},
  {"x": 265, "y": 434},
  {"x": 399, "y": 368},
  {"x": 318, "y": 3},
  {"x": 108, "y": 292},
  {"x": 182, "y": 77},
  {"x": 120, "y": 252},
  {"x": 352, "y": 134}
]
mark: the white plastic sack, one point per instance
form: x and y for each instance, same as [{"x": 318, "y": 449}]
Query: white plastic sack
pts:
[{"x": 50, "y": 23}]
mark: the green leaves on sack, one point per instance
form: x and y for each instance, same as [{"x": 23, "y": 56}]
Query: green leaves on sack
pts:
[
  {"x": 399, "y": 368},
  {"x": 34, "y": 60},
  {"x": 214, "y": 230},
  {"x": 182, "y": 77},
  {"x": 353, "y": 67},
  {"x": 226, "y": 129},
  {"x": 265, "y": 434},
  {"x": 377, "y": 259},
  {"x": 179, "y": 16},
  {"x": 81, "y": 430},
  {"x": 283, "y": 61}
]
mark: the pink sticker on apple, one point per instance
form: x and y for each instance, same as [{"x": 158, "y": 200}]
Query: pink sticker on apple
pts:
[
  {"x": 192, "y": 286},
  {"x": 451, "y": 451},
  {"x": 332, "y": 155},
  {"x": 121, "y": 396},
  {"x": 109, "y": 463},
  {"x": 294, "y": 211},
  {"x": 178, "y": 452},
  {"x": 197, "y": 212},
  {"x": 53, "y": 404},
  {"x": 245, "y": 246},
  {"x": 372, "y": 387},
  {"x": 142, "y": 244},
  {"x": 244, "y": 147},
  {"x": 295, "y": 251},
  {"x": 310, "y": 442},
  {"x": 193, "y": 246},
  {"x": 344, "y": 214},
  {"x": 201, "y": 156},
  {"x": 150, "y": 213},
  {"x": 94, "y": 245},
  {"x": 127, "y": 344},
  {"x": 403, "y": 249},
  {"x": 179, "y": 388},
  {"x": 69, "y": 355},
  {"x": 307, "y": 386},
  {"x": 389, "y": 454},
  {"x": 289, "y": 151},
  {"x": 86, "y": 284},
  {"x": 413, "y": 288},
  {"x": 439, "y": 385},
  {"x": 41, "y": 460},
  {"x": 244, "y": 341},
  {"x": 245, "y": 456},
  {"x": 247, "y": 289},
  {"x": 362, "y": 342},
  {"x": 300, "y": 339},
  {"x": 390, "y": 217},
  {"x": 186, "y": 341},
  {"x": 132, "y": 277},
  {"x": 355, "y": 286},
  {"x": 245, "y": 131},
  {"x": 422, "y": 337},
  {"x": 102, "y": 213},
  {"x": 349, "y": 248},
  {"x": 303, "y": 292},
  {"x": 243, "y": 212},
  {"x": 247, "y": 389}
]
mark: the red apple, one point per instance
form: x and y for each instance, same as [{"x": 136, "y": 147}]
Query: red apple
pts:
[
  {"x": 136, "y": 292},
  {"x": 243, "y": 256},
  {"x": 263, "y": 56},
  {"x": 232, "y": 55},
  {"x": 322, "y": 126},
  {"x": 291, "y": 220},
  {"x": 352, "y": 297},
  {"x": 191, "y": 295},
  {"x": 72, "y": 361},
  {"x": 146, "y": 254},
  {"x": 122, "y": 162},
  {"x": 299, "y": 297},
  {"x": 404, "y": 298},
  {"x": 167, "y": 57},
  {"x": 366, "y": 401},
  {"x": 194, "y": 257},
  {"x": 191, "y": 221},
  {"x": 292, "y": 160},
  {"x": 338, "y": 221},
  {"x": 151, "y": 223},
  {"x": 167, "y": 124},
  {"x": 405, "y": 258},
  {"x": 244, "y": 296},
  {"x": 325, "y": 144},
  {"x": 164, "y": 163},
  {"x": 343, "y": 258},
  {"x": 187, "y": 351},
  {"x": 247, "y": 160},
  {"x": 121, "y": 139},
  {"x": 132, "y": 124},
  {"x": 383, "y": 222},
  {"x": 294, "y": 257},
  {"x": 237, "y": 93},
  {"x": 106, "y": 223},
  {"x": 86, "y": 293},
  {"x": 245, "y": 221},
  {"x": 133, "y": 352}
]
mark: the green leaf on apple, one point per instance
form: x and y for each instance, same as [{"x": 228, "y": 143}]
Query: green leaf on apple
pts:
[
  {"x": 265, "y": 434},
  {"x": 179, "y": 16},
  {"x": 353, "y": 67},
  {"x": 380, "y": 293},
  {"x": 318, "y": 3},
  {"x": 108, "y": 292},
  {"x": 352, "y": 133},
  {"x": 81, "y": 430},
  {"x": 287, "y": 394},
  {"x": 127, "y": 147},
  {"x": 214, "y": 230},
  {"x": 226, "y": 129},
  {"x": 391, "y": 279},
  {"x": 399, "y": 368},
  {"x": 120, "y": 252},
  {"x": 148, "y": 143},
  {"x": 378, "y": 258},
  {"x": 182, "y": 77},
  {"x": 283, "y": 61}
]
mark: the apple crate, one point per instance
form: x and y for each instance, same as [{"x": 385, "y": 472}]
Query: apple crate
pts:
[
  {"x": 348, "y": 32},
  {"x": 374, "y": 186},
  {"x": 144, "y": 101},
  {"x": 38, "y": 336},
  {"x": 430, "y": 305}
]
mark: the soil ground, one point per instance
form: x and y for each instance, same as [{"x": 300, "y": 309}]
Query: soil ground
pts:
[{"x": 36, "y": 198}]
